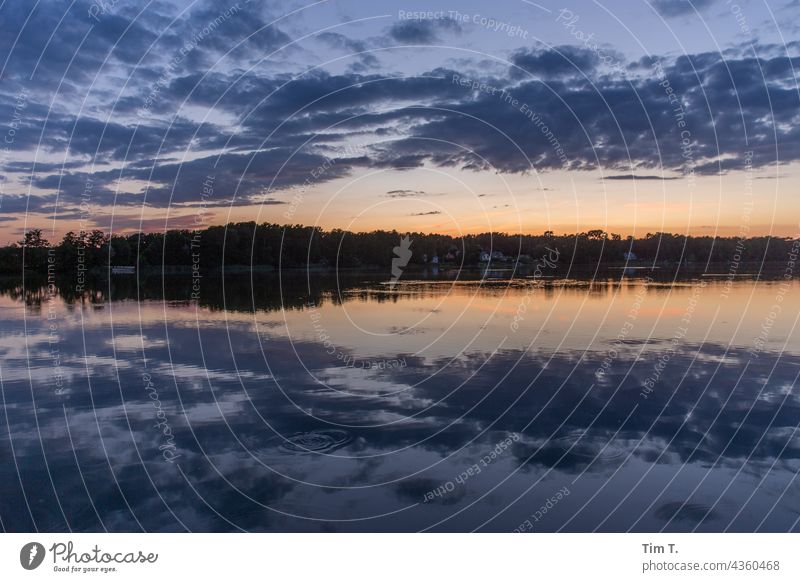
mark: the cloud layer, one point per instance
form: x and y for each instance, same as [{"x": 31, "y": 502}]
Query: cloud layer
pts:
[{"x": 138, "y": 104}]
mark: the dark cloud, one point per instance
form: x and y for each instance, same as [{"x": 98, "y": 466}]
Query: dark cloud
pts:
[
  {"x": 610, "y": 123},
  {"x": 430, "y": 213},
  {"x": 405, "y": 193},
  {"x": 555, "y": 62},
  {"x": 673, "y": 8},
  {"x": 53, "y": 42},
  {"x": 239, "y": 179},
  {"x": 422, "y": 31},
  {"x": 364, "y": 60},
  {"x": 639, "y": 177},
  {"x": 16, "y": 206},
  {"x": 624, "y": 124},
  {"x": 271, "y": 130},
  {"x": 221, "y": 27}
]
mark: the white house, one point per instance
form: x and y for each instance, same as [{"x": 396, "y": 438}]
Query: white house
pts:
[{"x": 123, "y": 270}]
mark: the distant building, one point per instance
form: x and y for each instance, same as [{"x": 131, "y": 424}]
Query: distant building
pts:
[
  {"x": 630, "y": 256},
  {"x": 435, "y": 260},
  {"x": 485, "y": 257},
  {"x": 498, "y": 256}
]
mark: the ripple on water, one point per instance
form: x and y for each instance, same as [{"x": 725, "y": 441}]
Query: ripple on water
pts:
[
  {"x": 580, "y": 444},
  {"x": 315, "y": 441}
]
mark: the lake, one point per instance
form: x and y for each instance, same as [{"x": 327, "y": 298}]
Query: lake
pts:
[{"x": 295, "y": 403}]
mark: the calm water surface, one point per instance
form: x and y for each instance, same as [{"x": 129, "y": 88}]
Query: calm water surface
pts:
[{"x": 438, "y": 405}]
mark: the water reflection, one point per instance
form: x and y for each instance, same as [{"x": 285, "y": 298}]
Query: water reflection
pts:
[{"x": 288, "y": 409}]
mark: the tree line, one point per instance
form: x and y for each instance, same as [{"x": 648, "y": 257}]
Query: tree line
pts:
[{"x": 296, "y": 246}]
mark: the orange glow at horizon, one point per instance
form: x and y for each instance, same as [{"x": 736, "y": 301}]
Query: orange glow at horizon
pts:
[{"x": 455, "y": 202}]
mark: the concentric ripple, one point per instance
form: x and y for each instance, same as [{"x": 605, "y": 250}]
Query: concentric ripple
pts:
[{"x": 315, "y": 441}]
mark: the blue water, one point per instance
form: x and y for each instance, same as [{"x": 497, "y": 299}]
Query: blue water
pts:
[{"x": 604, "y": 406}]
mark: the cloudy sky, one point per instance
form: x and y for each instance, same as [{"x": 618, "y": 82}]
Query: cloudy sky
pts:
[{"x": 513, "y": 115}]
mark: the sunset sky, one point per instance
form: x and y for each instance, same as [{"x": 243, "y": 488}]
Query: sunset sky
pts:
[{"x": 460, "y": 117}]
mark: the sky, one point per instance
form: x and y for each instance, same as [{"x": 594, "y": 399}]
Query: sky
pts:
[{"x": 632, "y": 116}]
